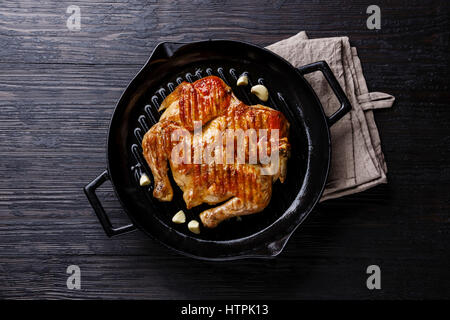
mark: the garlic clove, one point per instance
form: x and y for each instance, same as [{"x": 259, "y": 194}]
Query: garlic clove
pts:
[
  {"x": 242, "y": 81},
  {"x": 179, "y": 217},
  {"x": 144, "y": 180},
  {"x": 194, "y": 226},
  {"x": 261, "y": 92}
]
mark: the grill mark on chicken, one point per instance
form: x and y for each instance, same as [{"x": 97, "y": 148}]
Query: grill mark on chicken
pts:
[
  {"x": 202, "y": 100},
  {"x": 211, "y": 101}
]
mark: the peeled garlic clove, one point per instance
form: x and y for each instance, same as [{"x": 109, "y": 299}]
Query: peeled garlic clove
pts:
[
  {"x": 242, "y": 81},
  {"x": 179, "y": 217},
  {"x": 144, "y": 180},
  {"x": 194, "y": 226},
  {"x": 261, "y": 92}
]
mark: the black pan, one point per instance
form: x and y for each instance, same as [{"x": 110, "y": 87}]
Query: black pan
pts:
[{"x": 262, "y": 234}]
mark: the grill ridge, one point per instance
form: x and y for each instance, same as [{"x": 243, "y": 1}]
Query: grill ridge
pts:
[
  {"x": 162, "y": 93},
  {"x": 150, "y": 115},
  {"x": 138, "y": 134},
  {"x": 198, "y": 74},
  {"x": 142, "y": 121},
  {"x": 171, "y": 87},
  {"x": 189, "y": 77},
  {"x": 222, "y": 75}
]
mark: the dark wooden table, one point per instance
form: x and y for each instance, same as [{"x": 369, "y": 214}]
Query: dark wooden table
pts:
[{"x": 58, "y": 89}]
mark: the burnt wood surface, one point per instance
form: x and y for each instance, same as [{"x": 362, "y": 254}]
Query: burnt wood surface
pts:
[{"x": 58, "y": 89}]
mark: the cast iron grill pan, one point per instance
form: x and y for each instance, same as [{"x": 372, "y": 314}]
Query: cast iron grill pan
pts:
[{"x": 262, "y": 234}]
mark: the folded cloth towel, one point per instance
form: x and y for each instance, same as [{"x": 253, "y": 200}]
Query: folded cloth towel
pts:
[{"x": 357, "y": 162}]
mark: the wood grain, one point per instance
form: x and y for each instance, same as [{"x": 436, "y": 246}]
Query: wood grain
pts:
[{"x": 58, "y": 89}]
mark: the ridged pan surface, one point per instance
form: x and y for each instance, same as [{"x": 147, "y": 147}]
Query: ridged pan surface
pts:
[{"x": 136, "y": 112}]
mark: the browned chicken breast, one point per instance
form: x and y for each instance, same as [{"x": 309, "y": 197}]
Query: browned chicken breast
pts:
[{"x": 199, "y": 118}]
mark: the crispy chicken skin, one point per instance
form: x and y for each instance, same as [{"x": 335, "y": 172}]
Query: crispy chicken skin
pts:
[{"x": 243, "y": 186}]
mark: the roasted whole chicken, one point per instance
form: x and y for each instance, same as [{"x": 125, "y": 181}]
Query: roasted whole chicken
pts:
[{"x": 210, "y": 139}]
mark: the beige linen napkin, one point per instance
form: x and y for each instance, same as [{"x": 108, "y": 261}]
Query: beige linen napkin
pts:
[{"x": 357, "y": 162}]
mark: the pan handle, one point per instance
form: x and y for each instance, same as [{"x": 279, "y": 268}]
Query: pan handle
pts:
[
  {"x": 270, "y": 250},
  {"x": 323, "y": 67},
  {"x": 89, "y": 190}
]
